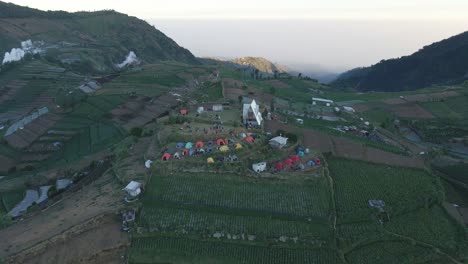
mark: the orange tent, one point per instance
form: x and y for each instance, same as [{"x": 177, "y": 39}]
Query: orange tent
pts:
[
  {"x": 184, "y": 112},
  {"x": 221, "y": 142},
  {"x": 249, "y": 139},
  {"x": 199, "y": 144},
  {"x": 186, "y": 152},
  {"x": 166, "y": 156}
]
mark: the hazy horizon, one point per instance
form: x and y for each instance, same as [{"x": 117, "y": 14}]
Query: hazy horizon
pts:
[
  {"x": 334, "y": 45},
  {"x": 331, "y": 36}
]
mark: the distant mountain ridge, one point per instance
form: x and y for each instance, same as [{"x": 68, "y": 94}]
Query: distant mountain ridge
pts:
[
  {"x": 106, "y": 37},
  {"x": 261, "y": 64},
  {"x": 444, "y": 62}
]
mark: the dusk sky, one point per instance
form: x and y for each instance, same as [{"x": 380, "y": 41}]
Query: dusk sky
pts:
[{"x": 334, "y": 34}]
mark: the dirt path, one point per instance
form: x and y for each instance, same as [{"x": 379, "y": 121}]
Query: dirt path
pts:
[{"x": 101, "y": 197}]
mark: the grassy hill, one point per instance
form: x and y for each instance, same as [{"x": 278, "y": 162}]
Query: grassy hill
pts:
[
  {"x": 88, "y": 40},
  {"x": 444, "y": 62}
]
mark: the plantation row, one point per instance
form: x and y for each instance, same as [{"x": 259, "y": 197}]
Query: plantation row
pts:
[
  {"x": 403, "y": 190},
  {"x": 302, "y": 199},
  {"x": 394, "y": 252},
  {"x": 208, "y": 223},
  {"x": 174, "y": 250}
]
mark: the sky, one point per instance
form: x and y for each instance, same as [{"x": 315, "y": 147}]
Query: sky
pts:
[{"x": 333, "y": 35}]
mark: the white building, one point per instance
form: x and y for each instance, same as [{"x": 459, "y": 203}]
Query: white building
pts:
[
  {"x": 133, "y": 188},
  {"x": 278, "y": 142},
  {"x": 251, "y": 114},
  {"x": 327, "y": 102}
]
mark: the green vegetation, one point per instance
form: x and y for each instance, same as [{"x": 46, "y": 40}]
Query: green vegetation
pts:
[
  {"x": 439, "y": 63},
  {"x": 310, "y": 199},
  {"x": 403, "y": 190},
  {"x": 173, "y": 249}
]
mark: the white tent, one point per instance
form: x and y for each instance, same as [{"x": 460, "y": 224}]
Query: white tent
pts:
[
  {"x": 133, "y": 188},
  {"x": 148, "y": 164},
  {"x": 259, "y": 167},
  {"x": 254, "y": 109}
]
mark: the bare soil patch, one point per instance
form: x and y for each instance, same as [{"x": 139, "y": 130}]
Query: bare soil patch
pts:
[
  {"x": 101, "y": 197},
  {"x": 410, "y": 110}
]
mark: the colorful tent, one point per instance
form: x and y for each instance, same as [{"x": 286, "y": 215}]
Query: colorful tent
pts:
[
  {"x": 279, "y": 166},
  {"x": 250, "y": 139},
  {"x": 238, "y": 145},
  {"x": 209, "y": 150},
  {"x": 295, "y": 158},
  {"x": 177, "y": 155},
  {"x": 224, "y": 148},
  {"x": 210, "y": 160},
  {"x": 221, "y": 142},
  {"x": 311, "y": 163},
  {"x": 317, "y": 162},
  {"x": 189, "y": 145},
  {"x": 289, "y": 162},
  {"x": 166, "y": 156},
  {"x": 191, "y": 152},
  {"x": 301, "y": 154},
  {"x": 180, "y": 145},
  {"x": 186, "y": 152},
  {"x": 199, "y": 144},
  {"x": 184, "y": 112}
]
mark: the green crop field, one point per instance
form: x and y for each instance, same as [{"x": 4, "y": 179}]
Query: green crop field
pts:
[
  {"x": 309, "y": 199},
  {"x": 203, "y": 223},
  {"x": 402, "y": 189},
  {"x": 10, "y": 199},
  {"x": 162, "y": 249},
  {"x": 451, "y": 108}
]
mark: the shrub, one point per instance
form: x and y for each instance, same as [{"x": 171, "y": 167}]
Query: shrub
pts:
[{"x": 136, "y": 131}]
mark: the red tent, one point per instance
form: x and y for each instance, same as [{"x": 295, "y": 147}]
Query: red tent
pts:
[
  {"x": 221, "y": 142},
  {"x": 295, "y": 158},
  {"x": 279, "y": 166},
  {"x": 166, "y": 156},
  {"x": 199, "y": 144},
  {"x": 186, "y": 152},
  {"x": 289, "y": 162},
  {"x": 184, "y": 112},
  {"x": 249, "y": 139},
  {"x": 317, "y": 162}
]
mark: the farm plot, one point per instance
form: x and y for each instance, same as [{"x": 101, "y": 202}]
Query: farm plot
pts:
[
  {"x": 163, "y": 249},
  {"x": 410, "y": 110},
  {"x": 403, "y": 190},
  {"x": 394, "y": 251},
  {"x": 432, "y": 226},
  {"x": 306, "y": 199},
  {"x": 263, "y": 229},
  {"x": 453, "y": 108},
  {"x": 32, "y": 131}
]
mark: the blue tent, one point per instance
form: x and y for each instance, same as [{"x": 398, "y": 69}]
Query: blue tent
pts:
[
  {"x": 189, "y": 145},
  {"x": 301, "y": 154},
  {"x": 209, "y": 150},
  {"x": 311, "y": 163},
  {"x": 192, "y": 152},
  {"x": 180, "y": 145},
  {"x": 299, "y": 149}
]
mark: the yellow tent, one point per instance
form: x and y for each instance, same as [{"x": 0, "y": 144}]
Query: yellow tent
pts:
[
  {"x": 210, "y": 160},
  {"x": 238, "y": 146},
  {"x": 224, "y": 148}
]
